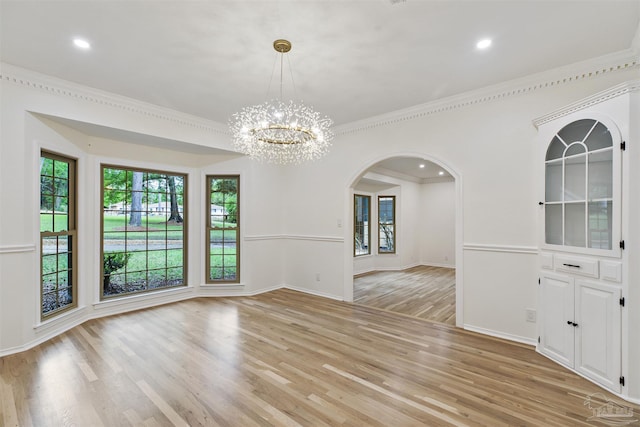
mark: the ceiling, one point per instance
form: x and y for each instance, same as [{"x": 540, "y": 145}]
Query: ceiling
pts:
[{"x": 350, "y": 59}]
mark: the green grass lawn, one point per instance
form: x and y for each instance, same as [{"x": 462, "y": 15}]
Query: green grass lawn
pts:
[
  {"x": 153, "y": 228},
  {"x": 156, "y": 262}
]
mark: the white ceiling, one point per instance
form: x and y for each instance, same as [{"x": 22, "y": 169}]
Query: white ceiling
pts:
[{"x": 350, "y": 59}]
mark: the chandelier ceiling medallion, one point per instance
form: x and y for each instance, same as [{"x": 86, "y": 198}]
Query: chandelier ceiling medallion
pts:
[{"x": 281, "y": 132}]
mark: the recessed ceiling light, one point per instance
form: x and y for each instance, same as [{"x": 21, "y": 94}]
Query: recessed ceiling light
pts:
[
  {"x": 440, "y": 173},
  {"x": 421, "y": 165},
  {"x": 483, "y": 44},
  {"x": 81, "y": 44}
]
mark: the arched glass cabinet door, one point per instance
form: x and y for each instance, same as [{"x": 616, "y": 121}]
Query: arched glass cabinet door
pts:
[{"x": 580, "y": 187}]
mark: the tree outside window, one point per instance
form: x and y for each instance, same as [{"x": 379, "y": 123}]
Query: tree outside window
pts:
[
  {"x": 58, "y": 248},
  {"x": 223, "y": 229},
  {"x": 386, "y": 224},
  {"x": 143, "y": 230},
  {"x": 362, "y": 233}
]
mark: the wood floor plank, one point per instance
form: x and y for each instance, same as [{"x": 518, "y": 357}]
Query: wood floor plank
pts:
[
  {"x": 425, "y": 292},
  {"x": 285, "y": 358}
]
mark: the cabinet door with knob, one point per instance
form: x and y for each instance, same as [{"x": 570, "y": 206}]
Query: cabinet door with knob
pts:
[
  {"x": 556, "y": 315},
  {"x": 580, "y": 326},
  {"x": 597, "y": 340}
]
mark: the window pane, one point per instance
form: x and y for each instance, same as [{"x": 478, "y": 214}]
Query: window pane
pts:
[
  {"x": 386, "y": 224},
  {"x": 61, "y": 186},
  {"x": 574, "y": 225},
  {"x": 556, "y": 149},
  {"x": 575, "y": 173},
  {"x": 553, "y": 224},
  {"x": 361, "y": 225},
  {"x": 223, "y": 221},
  {"x": 601, "y": 175},
  {"x": 553, "y": 181},
  {"x": 600, "y": 225},
  {"x": 57, "y": 216},
  {"x": 576, "y": 131},
  {"x": 599, "y": 138},
  {"x": 60, "y": 222},
  {"x": 61, "y": 169},
  {"x": 157, "y": 259},
  {"x": 143, "y": 220},
  {"x": 574, "y": 149},
  {"x": 46, "y": 165},
  {"x": 175, "y": 258}
]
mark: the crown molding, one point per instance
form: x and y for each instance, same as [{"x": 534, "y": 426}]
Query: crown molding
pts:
[
  {"x": 590, "y": 69},
  {"x": 614, "y": 92},
  {"x": 594, "y": 68},
  {"x": 59, "y": 87}
]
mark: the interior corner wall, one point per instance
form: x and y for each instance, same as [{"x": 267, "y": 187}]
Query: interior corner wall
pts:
[
  {"x": 408, "y": 224},
  {"x": 29, "y": 105},
  {"x": 437, "y": 224},
  {"x": 490, "y": 145}
]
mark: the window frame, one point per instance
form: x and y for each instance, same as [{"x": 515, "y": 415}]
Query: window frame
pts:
[
  {"x": 392, "y": 223},
  {"x": 209, "y": 228},
  {"x": 185, "y": 234},
  {"x": 365, "y": 228},
  {"x": 71, "y": 233}
]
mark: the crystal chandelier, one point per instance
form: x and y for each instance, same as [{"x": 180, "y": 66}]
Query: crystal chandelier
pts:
[{"x": 281, "y": 132}]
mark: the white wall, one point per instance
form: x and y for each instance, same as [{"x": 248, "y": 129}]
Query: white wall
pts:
[
  {"x": 437, "y": 224},
  {"x": 485, "y": 138},
  {"x": 25, "y": 98}
]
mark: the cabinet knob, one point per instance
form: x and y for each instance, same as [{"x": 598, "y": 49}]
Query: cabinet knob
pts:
[{"x": 540, "y": 203}]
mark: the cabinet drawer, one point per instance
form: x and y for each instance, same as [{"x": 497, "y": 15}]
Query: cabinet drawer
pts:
[{"x": 583, "y": 266}]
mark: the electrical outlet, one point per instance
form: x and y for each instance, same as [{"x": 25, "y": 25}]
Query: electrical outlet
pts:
[
  {"x": 317, "y": 277},
  {"x": 531, "y": 315}
]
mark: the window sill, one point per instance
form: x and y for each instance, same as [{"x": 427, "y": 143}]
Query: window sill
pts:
[
  {"x": 69, "y": 315},
  {"x": 144, "y": 297}
]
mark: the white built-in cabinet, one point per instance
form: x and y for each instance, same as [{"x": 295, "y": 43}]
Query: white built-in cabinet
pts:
[
  {"x": 581, "y": 281},
  {"x": 580, "y": 326}
]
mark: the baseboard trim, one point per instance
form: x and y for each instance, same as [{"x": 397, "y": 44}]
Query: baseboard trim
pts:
[
  {"x": 315, "y": 293},
  {"x": 509, "y": 337}
]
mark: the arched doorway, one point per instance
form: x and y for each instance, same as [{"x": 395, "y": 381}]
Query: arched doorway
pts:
[{"x": 411, "y": 182}]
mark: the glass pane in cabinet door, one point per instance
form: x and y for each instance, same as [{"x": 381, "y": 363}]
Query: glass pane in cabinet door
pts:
[
  {"x": 553, "y": 224},
  {"x": 576, "y": 131},
  {"x": 575, "y": 149},
  {"x": 575, "y": 178},
  {"x": 601, "y": 175},
  {"x": 574, "y": 225},
  {"x": 600, "y": 137},
  {"x": 600, "y": 224},
  {"x": 553, "y": 182},
  {"x": 556, "y": 149}
]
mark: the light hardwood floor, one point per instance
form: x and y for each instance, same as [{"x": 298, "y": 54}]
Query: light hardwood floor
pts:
[
  {"x": 284, "y": 359},
  {"x": 423, "y": 291}
]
